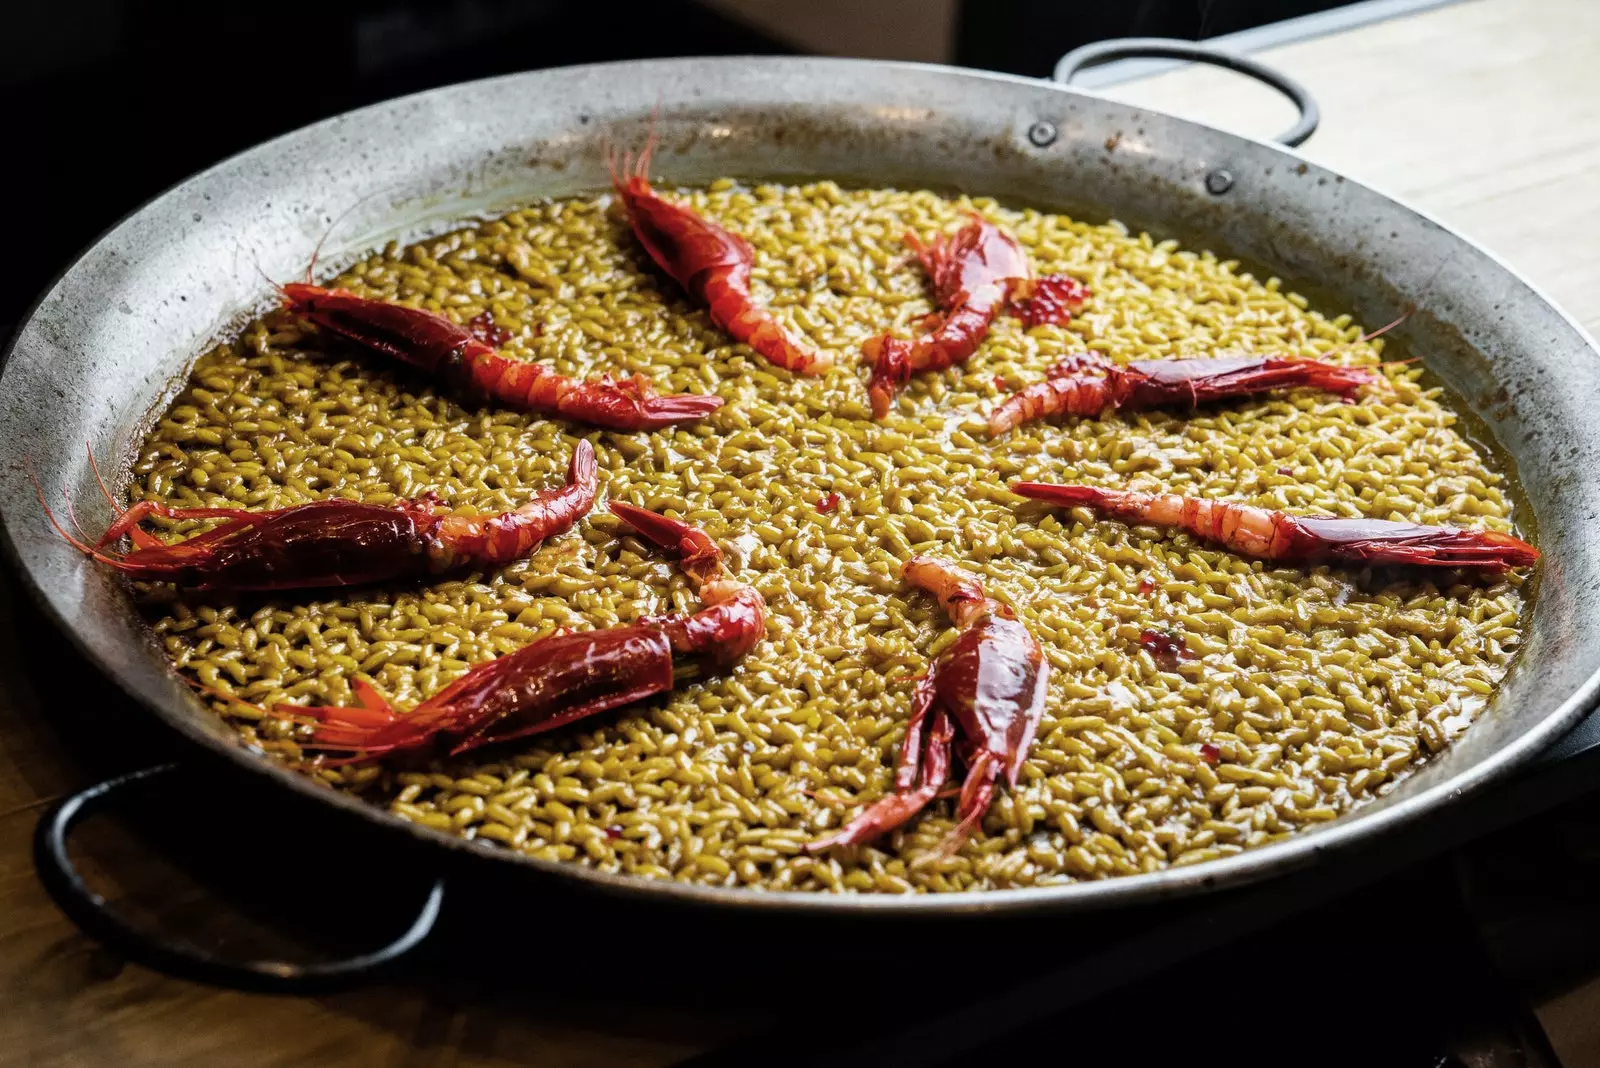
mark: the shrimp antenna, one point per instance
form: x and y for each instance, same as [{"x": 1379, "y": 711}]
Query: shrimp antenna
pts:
[
  {"x": 276, "y": 285},
  {"x": 1411, "y": 306},
  {"x": 275, "y": 712},
  {"x": 337, "y": 219},
  {"x": 317, "y": 249},
  {"x": 81, "y": 545},
  {"x": 72, "y": 514},
  {"x": 624, "y": 164},
  {"x": 617, "y": 163},
  {"x": 116, "y": 509},
  {"x": 1427, "y": 287},
  {"x": 642, "y": 166},
  {"x": 1411, "y": 309}
]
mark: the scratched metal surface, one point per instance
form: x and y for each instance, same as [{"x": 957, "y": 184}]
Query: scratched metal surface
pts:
[{"x": 106, "y": 347}]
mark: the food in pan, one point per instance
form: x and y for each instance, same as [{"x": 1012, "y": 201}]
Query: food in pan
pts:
[
  {"x": 559, "y": 679},
  {"x": 458, "y": 357},
  {"x": 335, "y": 542},
  {"x": 1275, "y": 535},
  {"x": 1088, "y": 384},
  {"x": 712, "y": 264},
  {"x": 988, "y": 687},
  {"x": 976, "y": 272},
  {"x": 1199, "y": 702}
]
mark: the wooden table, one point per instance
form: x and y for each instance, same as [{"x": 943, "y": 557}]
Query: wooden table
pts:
[{"x": 1486, "y": 113}]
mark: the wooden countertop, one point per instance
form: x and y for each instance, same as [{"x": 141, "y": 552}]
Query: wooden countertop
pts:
[{"x": 1486, "y": 113}]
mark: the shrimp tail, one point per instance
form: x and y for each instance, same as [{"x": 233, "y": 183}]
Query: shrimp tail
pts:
[
  {"x": 678, "y": 408},
  {"x": 1068, "y": 394},
  {"x": 629, "y": 404},
  {"x": 1066, "y": 496},
  {"x": 498, "y": 540},
  {"x": 451, "y": 352}
]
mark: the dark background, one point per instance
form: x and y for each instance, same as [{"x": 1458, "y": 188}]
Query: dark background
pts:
[{"x": 105, "y": 103}]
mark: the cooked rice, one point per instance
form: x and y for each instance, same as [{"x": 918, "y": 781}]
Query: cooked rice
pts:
[{"x": 1318, "y": 688}]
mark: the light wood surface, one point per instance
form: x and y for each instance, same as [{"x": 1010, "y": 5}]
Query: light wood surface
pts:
[{"x": 1486, "y": 113}]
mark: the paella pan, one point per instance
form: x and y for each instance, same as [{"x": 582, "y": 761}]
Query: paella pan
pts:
[{"x": 1185, "y": 713}]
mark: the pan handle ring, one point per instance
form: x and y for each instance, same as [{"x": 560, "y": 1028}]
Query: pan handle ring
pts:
[
  {"x": 1099, "y": 52},
  {"x": 96, "y": 918}
]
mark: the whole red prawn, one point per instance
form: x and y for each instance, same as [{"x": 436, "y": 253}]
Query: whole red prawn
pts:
[
  {"x": 989, "y": 686},
  {"x": 559, "y": 679},
  {"x": 1275, "y": 535},
  {"x": 1088, "y": 384},
  {"x": 712, "y": 264},
  {"x": 455, "y": 355},
  {"x": 975, "y": 272},
  {"x": 337, "y": 542}
]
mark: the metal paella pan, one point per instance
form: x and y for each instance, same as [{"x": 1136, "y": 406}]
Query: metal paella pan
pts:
[{"x": 109, "y": 344}]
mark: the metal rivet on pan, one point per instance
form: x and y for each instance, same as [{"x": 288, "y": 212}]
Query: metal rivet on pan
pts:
[
  {"x": 1219, "y": 181},
  {"x": 1043, "y": 134}
]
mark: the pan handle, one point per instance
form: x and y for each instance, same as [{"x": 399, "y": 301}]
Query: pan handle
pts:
[
  {"x": 96, "y": 918},
  {"x": 1099, "y": 52}
]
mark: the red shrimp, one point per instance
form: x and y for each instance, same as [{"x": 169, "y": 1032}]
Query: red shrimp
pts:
[
  {"x": 712, "y": 265},
  {"x": 559, "y": 679},
  {"x": 975, "y": 272},
  {"x": 1088, "y": 384},
  {"x": 337, "y": 542},
  {"x": 1275, "y": 535},
  {"x": 455, "y": 355},
  {"x": 989, "y": 686}
]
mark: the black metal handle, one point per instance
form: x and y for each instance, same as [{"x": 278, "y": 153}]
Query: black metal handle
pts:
[
  {"x": 1093, "y": 55},
  {"x": 90, "y": 912}
]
